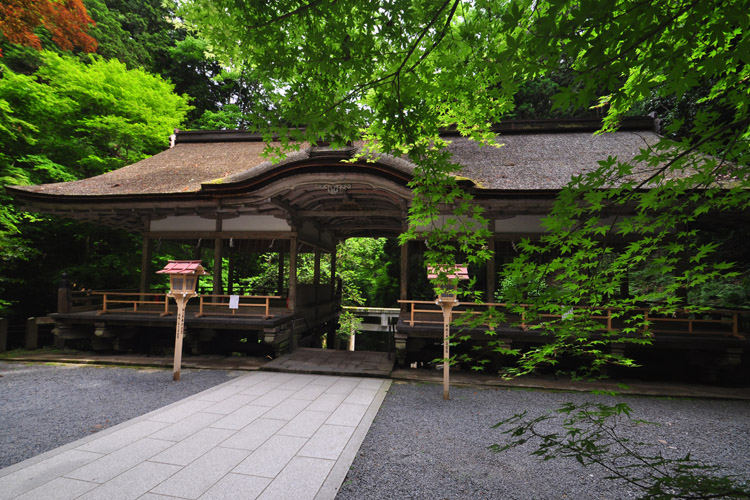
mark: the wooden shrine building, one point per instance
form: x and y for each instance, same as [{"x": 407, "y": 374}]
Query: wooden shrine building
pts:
[{"x": 215, "y": 186}]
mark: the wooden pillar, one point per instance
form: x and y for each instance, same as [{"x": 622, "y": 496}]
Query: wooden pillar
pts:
[
  {"x": 230, "y": 273},
  {"x": 63, "y": 295},
  {"x": 292, "y": 273},
  {"x": 31, "y": 340},
  {"x": 316, "y": 267},
  {"x": 333, "y": 273},
  {"x": 3, "y": 334},
  {"x": 491, "y": 274},
  {"x": 403, "y": 295},
  {"x": 147, "y": 249},
  {"x": 280, "y": 282},
  {"x": 625, "y": 285},
  {"x": 218, "y": 246}
]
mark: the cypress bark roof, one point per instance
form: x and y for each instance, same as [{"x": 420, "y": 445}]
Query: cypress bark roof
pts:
[{"x": 524, "y": 162}]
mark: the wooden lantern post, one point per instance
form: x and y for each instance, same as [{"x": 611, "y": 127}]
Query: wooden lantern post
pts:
[
  {"x": 447, "y": 300},
  {"x": 183, "y": 280}
]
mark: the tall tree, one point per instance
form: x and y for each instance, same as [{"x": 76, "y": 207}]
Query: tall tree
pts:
[
  {"x": 67, "y": 121},
  {"x": 401, "y": 70}
]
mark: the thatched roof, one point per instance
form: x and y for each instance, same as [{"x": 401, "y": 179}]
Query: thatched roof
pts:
[
  {"x": 526, "y": 161},
  {"x": 543, "y": 161}
]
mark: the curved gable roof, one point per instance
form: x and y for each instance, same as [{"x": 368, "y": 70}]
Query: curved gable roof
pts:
[{"x": 205, "y": 162}]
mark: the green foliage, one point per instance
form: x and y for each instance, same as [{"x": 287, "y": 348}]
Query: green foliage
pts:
[
  {"x": 349, "y": 323},
  {"x": 594, "y": 434},
  {"x": 136, "y": 33},
  {"x": 365, "y": 272},
  {"x": 69, "y": 120},
  {"x": 362, "y": 265}
]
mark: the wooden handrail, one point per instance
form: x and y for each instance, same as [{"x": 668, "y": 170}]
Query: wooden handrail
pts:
[
  {"x": 109, "y": 298},
  {"x": 106, "y": 301},
  {"x": 266, "y": 304},
  {"x": 648, "y": 315}
]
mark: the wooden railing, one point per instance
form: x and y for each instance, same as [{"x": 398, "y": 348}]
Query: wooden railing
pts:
[
  {"x": 134, "y": 301},
  {"x": 208, "y": 305},
  {"x": 209, "y": 301},
  {"x": 727, "y": 323}
]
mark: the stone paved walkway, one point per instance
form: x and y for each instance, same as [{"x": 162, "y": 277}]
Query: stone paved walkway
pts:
[{"x": 263, "y": 435}]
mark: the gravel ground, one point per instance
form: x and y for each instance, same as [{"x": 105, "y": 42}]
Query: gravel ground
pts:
[
  {"x": 46, "y": 406},
  {"x": 421, "y": 447}
]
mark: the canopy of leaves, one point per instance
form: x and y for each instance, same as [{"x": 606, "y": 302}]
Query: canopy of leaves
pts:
[{"x": 70, "y": 120}]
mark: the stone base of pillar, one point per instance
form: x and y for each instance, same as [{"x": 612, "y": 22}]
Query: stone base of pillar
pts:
[
  {"x": 68, "y": 332},
  {"x": 399, "y": 340},
  {"x": 732, "y": 357}
]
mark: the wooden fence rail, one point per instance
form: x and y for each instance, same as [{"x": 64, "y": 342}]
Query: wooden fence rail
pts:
[
  {"x": 209, "y": 305},
  {"x": 724, "y": 322},
  {"x": 158, "y": 303}
]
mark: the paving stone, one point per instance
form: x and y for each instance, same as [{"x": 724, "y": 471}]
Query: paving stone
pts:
[
  {"x": 203, "y": 473},
  {"x": 221, "y": 393},
  {"x": 273, "y": 397},
  {"x": 133, "y": 483},
  {"x": 35, "y": 475},
  {"x": 347, "y": 414},
  {"x": 300, "y": 480},
  {"x": 229, "y": 485},
  {"x": 305, "y": 424},
  {"x": 186, "y": 427},
  {"x": 123, "y": 437},
  {"x": 343, "y": 386},
  {"x": 59, "y": 489},
  {"x": 327, "y": 442},
  {"x": 370, "y": 383},
  {"x": 252, "y": 379},
  {"x": 271, "y": 457},
  {"x": 327, "y": 402},
  {"x": 254, "y": 435},
  {"x": 309, "y": 392},
  {"x": 181, "y": 411},
  {"x": 230, "y": 404},
  {"x": 287, "y": 410},
  {"x": 114, "y": 464},
  {"x": 262, "y": 387},
  {"x": 240, "y": 418},
  {"x": 360, "y": 396},
  {"x": 296, "y": 383},
  {"x": 325, "y": 380},
  {"x": 193, "y": 447}
]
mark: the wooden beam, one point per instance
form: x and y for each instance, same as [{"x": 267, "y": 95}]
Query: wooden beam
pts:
[
  {"x": 316, "y": 267},
  {"x": 218, "y": 246},
  {"x": 350, "y": 213},
  {"x": 293, "y": 274},
  {"x": 404, "y": 278},
  {"x": 146, "y": 252},
  {"x": 230, "y": 272},
  {"x": 333, "y": 272},
  {"x": 280, "y": 279},
  {"x": 491, "y": 274},
  {"x": 209, "y": 235}
]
